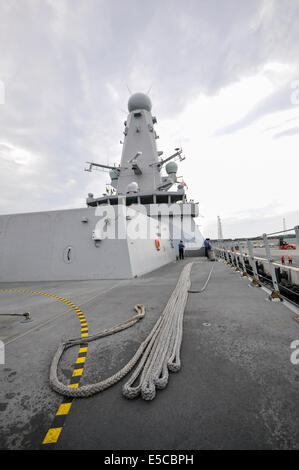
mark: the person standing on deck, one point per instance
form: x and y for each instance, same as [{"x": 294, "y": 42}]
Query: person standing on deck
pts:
[
  {"x": 181, "y": 249},
  {"x": 207, "y": 246}
]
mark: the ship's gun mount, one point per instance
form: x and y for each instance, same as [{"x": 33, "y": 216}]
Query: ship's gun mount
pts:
[{"x": 135, "y": 167}]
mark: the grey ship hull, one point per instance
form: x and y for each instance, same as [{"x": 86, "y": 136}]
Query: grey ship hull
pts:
[{"x": 59, "y": 245}]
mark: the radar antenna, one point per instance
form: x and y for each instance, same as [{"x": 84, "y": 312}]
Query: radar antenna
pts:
[{"x": 178, "y": 154}]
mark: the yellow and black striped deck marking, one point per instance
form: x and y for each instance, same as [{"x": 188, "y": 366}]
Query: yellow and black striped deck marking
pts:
[{"x": 53, "y": 433}]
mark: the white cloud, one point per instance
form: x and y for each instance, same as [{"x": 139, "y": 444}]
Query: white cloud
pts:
[
  {"x": 213, "y": 66},
  {"x": 240, "y": 175}
]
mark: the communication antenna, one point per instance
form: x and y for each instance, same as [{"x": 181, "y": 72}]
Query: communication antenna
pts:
[
  {"x": 128, "y": 89},
  {"x": 149, "y": 89}
]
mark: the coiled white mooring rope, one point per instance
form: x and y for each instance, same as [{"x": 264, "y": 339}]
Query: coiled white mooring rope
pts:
[{"x": 159, "y": 353}]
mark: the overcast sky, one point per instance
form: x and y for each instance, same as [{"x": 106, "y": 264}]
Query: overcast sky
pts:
[{"x": 224, "y": 83}]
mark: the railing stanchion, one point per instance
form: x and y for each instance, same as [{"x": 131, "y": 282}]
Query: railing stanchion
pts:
[
  {"x": 232, "y": 256},
  {"x": 255, "y": 281},
  {"x": 244, "y": 272},
  {"x": 227, "y": 253},
  {"x": 236, "y": 258},
  {"x": 275, "y": 294}
]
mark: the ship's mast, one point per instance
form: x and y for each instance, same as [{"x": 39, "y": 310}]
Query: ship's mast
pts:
[
  {"x": 139, "y": 159},
  {"x": 139, "y": 172}
]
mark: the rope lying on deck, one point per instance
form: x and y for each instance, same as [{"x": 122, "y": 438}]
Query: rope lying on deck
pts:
[
  {"x": 26, "y": 315},
  {"x": 205, "y": 284},
  {"x": 159, "y": 353}
]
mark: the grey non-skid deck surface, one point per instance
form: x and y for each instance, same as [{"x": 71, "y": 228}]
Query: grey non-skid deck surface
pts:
[{"x": 237, "y": 388}]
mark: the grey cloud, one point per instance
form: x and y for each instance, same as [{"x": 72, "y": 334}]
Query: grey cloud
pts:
[
  {"x": 288, "y": 132},
  {"x": 280, "y": 100}
]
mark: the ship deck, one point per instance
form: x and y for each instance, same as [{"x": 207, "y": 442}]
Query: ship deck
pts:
[{"x": 237, "y": 388}]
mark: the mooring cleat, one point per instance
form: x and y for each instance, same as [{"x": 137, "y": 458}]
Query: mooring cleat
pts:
[
  {"x": 275, "y": 296},
  {"x": 26, "y": 318}
]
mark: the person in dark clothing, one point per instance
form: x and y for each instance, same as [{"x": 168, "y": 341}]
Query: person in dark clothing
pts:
[
  {"x": 207, "y": 246},
  {"x": 181, "y": 249}
]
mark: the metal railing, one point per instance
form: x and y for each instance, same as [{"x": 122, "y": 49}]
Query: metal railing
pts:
[{"x": 251, "y": 265}]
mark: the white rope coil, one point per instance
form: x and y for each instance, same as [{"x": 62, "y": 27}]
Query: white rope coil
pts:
[{"x": 158, "y": 354}]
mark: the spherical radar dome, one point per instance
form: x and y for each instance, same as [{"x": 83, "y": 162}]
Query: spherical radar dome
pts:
[
  {"x": 139, "y": 101},
  {"x": 171, "y": 167},
  {"x": 133, "y": 187}
]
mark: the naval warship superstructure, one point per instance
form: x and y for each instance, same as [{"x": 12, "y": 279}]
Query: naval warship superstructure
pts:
[{"x": 131, "y": 230}]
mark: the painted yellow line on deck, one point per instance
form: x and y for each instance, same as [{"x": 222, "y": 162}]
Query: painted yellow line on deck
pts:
[
  {"x": 52, "y": 436},
  {"x": 80, "y": 360},
  {"x": 64, "y": 408},
  {"x": 53, "y": 433}
]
